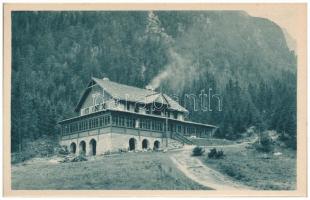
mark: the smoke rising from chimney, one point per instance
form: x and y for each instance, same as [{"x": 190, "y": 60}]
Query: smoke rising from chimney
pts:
[
  {"x": 177, "y": 73},
  {"x": 180, "y": 69}
]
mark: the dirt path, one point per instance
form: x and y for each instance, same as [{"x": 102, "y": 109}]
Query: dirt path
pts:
[{"x": 194, "y": 169}]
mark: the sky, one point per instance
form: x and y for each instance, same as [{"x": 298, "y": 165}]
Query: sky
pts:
[{"x": 285, "y": 18}]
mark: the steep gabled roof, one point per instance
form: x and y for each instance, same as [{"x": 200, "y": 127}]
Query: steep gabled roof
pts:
[
  {"x": 132, "y": 94},
  {"x": 124, "y": 92}
]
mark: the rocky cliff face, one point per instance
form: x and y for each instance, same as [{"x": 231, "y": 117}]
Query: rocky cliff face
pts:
[{"x": 230, "y": 44}]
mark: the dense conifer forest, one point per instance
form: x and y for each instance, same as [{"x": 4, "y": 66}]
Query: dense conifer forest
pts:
[{"x": 244, "y": 59}]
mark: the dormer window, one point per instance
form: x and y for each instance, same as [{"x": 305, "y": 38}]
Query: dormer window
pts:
[
  {"x": 157, "y": 112},
  {"x": 86, "y": 111},
  {"x": 148, "y": 110},
  {"x": 175, "y": 115},
  {"x": 137, "y": 109}
]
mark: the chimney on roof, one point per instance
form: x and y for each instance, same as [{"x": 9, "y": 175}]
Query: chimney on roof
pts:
[
  {"x": 105, "y": 79},
  {"x": 148, "y": 87}
]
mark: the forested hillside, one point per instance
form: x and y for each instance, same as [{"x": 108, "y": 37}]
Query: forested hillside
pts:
[{"x": 243, "y": 59}]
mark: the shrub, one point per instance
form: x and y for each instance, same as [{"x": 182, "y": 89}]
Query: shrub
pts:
[
  {"x": 198, "y": 151},
  {"x": 215, "y": 154},
  {"x": 63, "y": 150},
  {"x": 220, "y": 154},
  {"x": 79, "y": 158},
  {"x": 123, "y": 150},
  {"x": 21, "y": 157},
  {"x": 232, "y": 171},
  {"x": 265, "y": 144},
  {"x": 289, "y": 140}
]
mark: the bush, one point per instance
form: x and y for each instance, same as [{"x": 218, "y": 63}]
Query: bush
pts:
[
  {"x": 41, "y": 147},
  {"x": 289, "y": 140},
  {"x": 215, "y": 154},
  {"x": 123, "y": 150},
  {"x": 265, "y": 144},
  {"x": 198, "y": 151},
  {"x": 232, "y": 171},
  {"x": 79, "y": 158},
  {"x": 63, "y": 150},
  {"x": 21, "y": 157}
]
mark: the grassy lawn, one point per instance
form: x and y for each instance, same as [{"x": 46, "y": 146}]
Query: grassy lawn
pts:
[
  {"x": 210, "y": 142},
  {"x": 124, "y": 171},
  {"x": 253, "y": 168}
]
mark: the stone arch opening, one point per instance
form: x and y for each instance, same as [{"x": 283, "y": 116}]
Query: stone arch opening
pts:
[
  {"x": 132, "y": 144},
  {"x": 93, "y": 147},
  {"x": 73, "y": 148},
  {"x": 145, "y": 144},
  {"x": 156, "y": 145},
  {"x": 82, "y": 148}
]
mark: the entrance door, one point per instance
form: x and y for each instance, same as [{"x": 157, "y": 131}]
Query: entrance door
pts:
[{"x": 132, "y": 144}]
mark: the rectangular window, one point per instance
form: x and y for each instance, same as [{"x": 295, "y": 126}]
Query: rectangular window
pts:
[
  {"x": 117, "y": 120},
  {"x": 134, "y": 123},
  {"x": 101, "y": 123},
  {"x": 175, "y": 115},
  {"x": 96, "y": 122},
  {"x": 82, "y": 125},
  {"x": 141, "y": 123},
  {"x": 153, "y": 125},
  {"x": 104, "y": 120},
  {"x": 148, "y": 124},
  {"x": 128, "y": 122},
  {"x": 179, "y": 128},
  {"x": 108, "y": 120},
  {"x": 121, "y": 121},
  {"x": 89, "y": 124},
  {"x": 136, "y": 109},
  {"x": 79, "y": 126},
  {"x": 113, "y": 120}
]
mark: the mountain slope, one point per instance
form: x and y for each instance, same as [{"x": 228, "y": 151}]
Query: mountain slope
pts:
[{"x": 242, "y": 58}]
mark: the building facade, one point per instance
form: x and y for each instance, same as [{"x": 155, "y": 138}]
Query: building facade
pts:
[{"x": 116, "y": 117}]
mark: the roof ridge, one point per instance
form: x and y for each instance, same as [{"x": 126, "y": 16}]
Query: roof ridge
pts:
[
  {"x": 125, "y": 85},
  {"x": 153, "y": 94}
]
